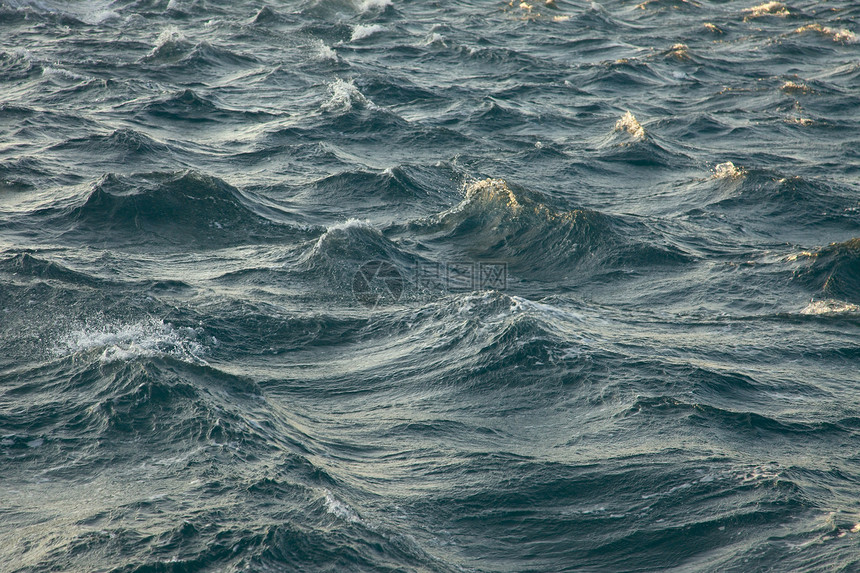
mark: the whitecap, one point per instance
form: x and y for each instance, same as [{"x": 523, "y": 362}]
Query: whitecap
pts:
[
  {"x": 796, "y": 87},
  {"x": 631, "y": 125},
  {"x": 60, "y": 72},
  {"x": 367, "y": 5},
  {"x": 120, "y": 341},
  {"x": 767, "y": 9},
  {"x": 170, "y": 43},
  {"x": 339, "y": 509},
  {"x": 844, "y": 36},
  {"x": 679, "y": 52},
  {"x": 728, "y": 170},
  {"x": 338, "y": 229},
  {"x": 344, "y": 95},
  {"x": 830, "y": 306},
  {"x": 362, "y": 31},
  {"x": 325, "y": 53},
  {"x": 488, "y": 192}
]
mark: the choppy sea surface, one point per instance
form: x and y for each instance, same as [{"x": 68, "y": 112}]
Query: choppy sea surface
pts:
[{"x": 461, "y": 286}]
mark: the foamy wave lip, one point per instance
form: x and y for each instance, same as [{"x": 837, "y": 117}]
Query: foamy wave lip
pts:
[
  {"x": 127, "y": 341},
  {"x": 767, "y": 9},
  {"x": 492, "y": 191},
  {"x": 100, "y": 16},
  {"x": 324, "y": 53},
  {"x": 339, "y": 509},
  {"x": 830, "y": 306},
  {"x": 362, "y": 31},
  {"x": 170, "y": 43},
  {"x": 351, "y": 223},
  {"x": 367, "y": 5},
  {"x": 679, "y": 52},
  {"x": 344, "y": 95},
  {"x": 52, "y": 71},
  {"x": 845, "y": 36},
  {"x": 631, "y": 125},
  {"x": 728, "y": 170},
  {"x": 796, "y": 87}
]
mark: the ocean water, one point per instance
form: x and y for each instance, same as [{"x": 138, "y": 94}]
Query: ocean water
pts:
[{"x": 404, "y": 285}]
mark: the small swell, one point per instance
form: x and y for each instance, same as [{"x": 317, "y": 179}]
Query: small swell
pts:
[
  {"x": 495, "y": 222},
  {"x": 834, "y": 271},
  {"x": 172, "y": 207}
]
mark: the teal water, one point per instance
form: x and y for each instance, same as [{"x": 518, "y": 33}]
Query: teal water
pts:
[{"x": 391, "y": 285}]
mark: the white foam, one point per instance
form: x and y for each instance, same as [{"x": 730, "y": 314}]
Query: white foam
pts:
[
  {"x": 325, "y": 53},
  {"x": 339, "y": 509},
  {"x": 796, "y": 87},
  {"x": 170, "y": 34},
  {"x": 844, "y": 36},
  {"x": 363, "y": 31},
  {"x": 100, "y": 16},
  {"x": 631, "y": 125},
  {"x": 344, "y": 95},
  {"x": 125, "y": 341},
  {"x": 367, "y": 5},
  {"x": 169, "y": 41},
  {"x": 351, "y": 223},
  {"x": 492, "y": 191},
  {"x": 728, "y": 170},
  {"x": 434, "y": 38},
  {"x": 336, "y": 229},
  {"x": 830, "y": 306},
  {"x": 60, "y": 72},
  {"x": 767, "y": 9},
  {"x": 519, "y": 304}
]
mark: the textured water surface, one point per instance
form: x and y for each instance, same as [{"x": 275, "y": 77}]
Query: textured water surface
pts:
[{"x": 384, "y": 285}]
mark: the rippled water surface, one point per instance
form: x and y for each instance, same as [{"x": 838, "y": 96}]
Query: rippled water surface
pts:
[{"x": 402, "y": 285}]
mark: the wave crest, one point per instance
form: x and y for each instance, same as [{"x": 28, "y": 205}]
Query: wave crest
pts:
[{"x": 834, "y": 271}]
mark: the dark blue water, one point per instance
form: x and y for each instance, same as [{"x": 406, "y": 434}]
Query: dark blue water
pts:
[{"x": 372, "y": 285}]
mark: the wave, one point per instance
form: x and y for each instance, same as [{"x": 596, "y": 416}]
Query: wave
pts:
[
  {"x": 122, "y": 145},
  {"x": 331, "y": 9},
  {"x": 763, "y": 197},
  {"x": 830, "y": 307},
  {"x": 121, "y": 342},
  {"x": 170, "y": 46},
  {"x": 21, "y": 173},
  {"x": 345, "y": 96},
  {"x": 337, "y": 255},
  {"x": 363, "y": 31},
  {"x": 17, "y": 65},
  {"x": 186, "y": 105},
  {"x": 174, "y": 208},
  {"x": 767, "y": 9},
  {"x": 265, "y": 15},
  {"x": 558, "y": 515},
  {"x": 630, "y": 143},
  {"x": 90, "y": 13},
  {"x": 401, "y": 186},
  {"x": 738, "y": 422},
  {"x": 43, "y": 268},
  {"x": 841, "y": 35},
  {"x": 495, "y": 222},
  {"x": 833, "y": 271}
]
